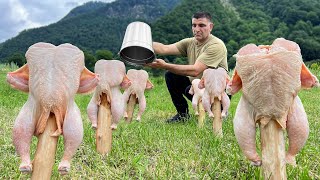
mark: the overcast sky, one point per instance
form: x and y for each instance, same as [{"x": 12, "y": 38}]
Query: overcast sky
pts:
[{"x": 17, "y": 15}]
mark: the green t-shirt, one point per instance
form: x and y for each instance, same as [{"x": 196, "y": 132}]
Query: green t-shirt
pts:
[{"x": 212, "y": 53}]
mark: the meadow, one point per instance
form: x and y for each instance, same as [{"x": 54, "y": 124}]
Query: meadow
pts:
[{"x": 153, "y": 149}]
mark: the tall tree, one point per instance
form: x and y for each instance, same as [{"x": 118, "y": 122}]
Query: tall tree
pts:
[
  {"x": 104, "y": 54},
  {"x": 17, "y": 58}
]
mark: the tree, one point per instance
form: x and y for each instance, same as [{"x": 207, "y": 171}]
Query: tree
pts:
[
  {"x": 303, "y": 26},
  {"x": 313, "y": 17},
  {"x": 17, "y": 58},
  {"x": 282, "y": 30},
  {"x": 310, "y": 49},
  {"x": 104, "y": 54},
  {"x": 90, "y": 60},
  {"x": 232, "y": 47}
]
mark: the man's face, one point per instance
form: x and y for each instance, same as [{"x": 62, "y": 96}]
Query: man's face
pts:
[{"x": 201, "y": 28}]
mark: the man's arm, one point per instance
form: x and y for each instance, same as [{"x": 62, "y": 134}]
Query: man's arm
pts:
[
  {"x": 163, "y": 49},
  {"x": 184, "y": 70}
]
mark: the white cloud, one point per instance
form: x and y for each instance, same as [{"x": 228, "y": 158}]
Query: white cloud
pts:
[
  {"x": 17, "y": 15},
  {"x": 20, "y": 16}
]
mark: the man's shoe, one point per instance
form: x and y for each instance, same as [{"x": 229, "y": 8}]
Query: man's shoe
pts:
[{"x": 179, "y": 117}]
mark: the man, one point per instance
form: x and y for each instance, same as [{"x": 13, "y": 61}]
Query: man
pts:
[{"x": 203, "y": 51}]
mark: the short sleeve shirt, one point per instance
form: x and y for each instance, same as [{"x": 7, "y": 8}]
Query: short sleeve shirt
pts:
[{"x": 212, "y": 53}]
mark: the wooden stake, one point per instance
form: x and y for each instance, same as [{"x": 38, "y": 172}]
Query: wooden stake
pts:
[
  {"x": 130, "y": 107},
  {"x": 217, "y": 120},
  {"x": 273, "y": 151},
  {"x": 202, "y": 114},
  {"x": 46, "y": 149},
  {"x": 104, "y": 131}
]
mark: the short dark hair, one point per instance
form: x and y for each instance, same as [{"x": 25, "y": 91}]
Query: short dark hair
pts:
[{"x": 198, "y": 15}]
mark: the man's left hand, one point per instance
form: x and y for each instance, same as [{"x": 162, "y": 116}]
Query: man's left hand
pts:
[{"x": 158, "y": 63}]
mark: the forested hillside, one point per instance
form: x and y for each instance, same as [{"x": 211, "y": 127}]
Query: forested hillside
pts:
[
  {"x": 297, "y": 20},
  {"x": 239, "y": 22},
  {"x": 100, "y": 26},
  {"x": 99, "y": 29}
]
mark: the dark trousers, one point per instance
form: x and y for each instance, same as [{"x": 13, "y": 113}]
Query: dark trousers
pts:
[{"x": 178, "y": 87}]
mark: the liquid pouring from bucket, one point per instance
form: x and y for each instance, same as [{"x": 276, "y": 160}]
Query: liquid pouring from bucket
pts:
[{"x": 136, "y": 46}]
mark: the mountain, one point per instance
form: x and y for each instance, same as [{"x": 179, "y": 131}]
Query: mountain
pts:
[
  {"x": 91, "y": 26},
  {"x": 97, "y": 26},
  {"x": 86, "y": 8}
]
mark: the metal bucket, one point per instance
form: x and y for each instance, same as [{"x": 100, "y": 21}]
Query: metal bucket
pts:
[{"x": 136, "y": 46}]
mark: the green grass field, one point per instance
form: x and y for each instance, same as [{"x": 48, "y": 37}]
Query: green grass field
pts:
[{"x": 153, "y": 149}]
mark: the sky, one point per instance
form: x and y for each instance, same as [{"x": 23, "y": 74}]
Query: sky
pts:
[{"x": 17, "y": 15}]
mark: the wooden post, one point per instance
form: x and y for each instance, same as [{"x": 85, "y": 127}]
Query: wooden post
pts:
[
  {"x": 130, "y": 107},
  {"x": 217, "y": 120},
  {"x": 46, "y": 149},
  {"x": 273, "y": 151},
  {"x": 202, "y": 114},
  {"x": 104, "y": 131}
]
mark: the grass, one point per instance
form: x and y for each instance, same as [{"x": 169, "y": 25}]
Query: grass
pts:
[{"x": 153, "y": 149}]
